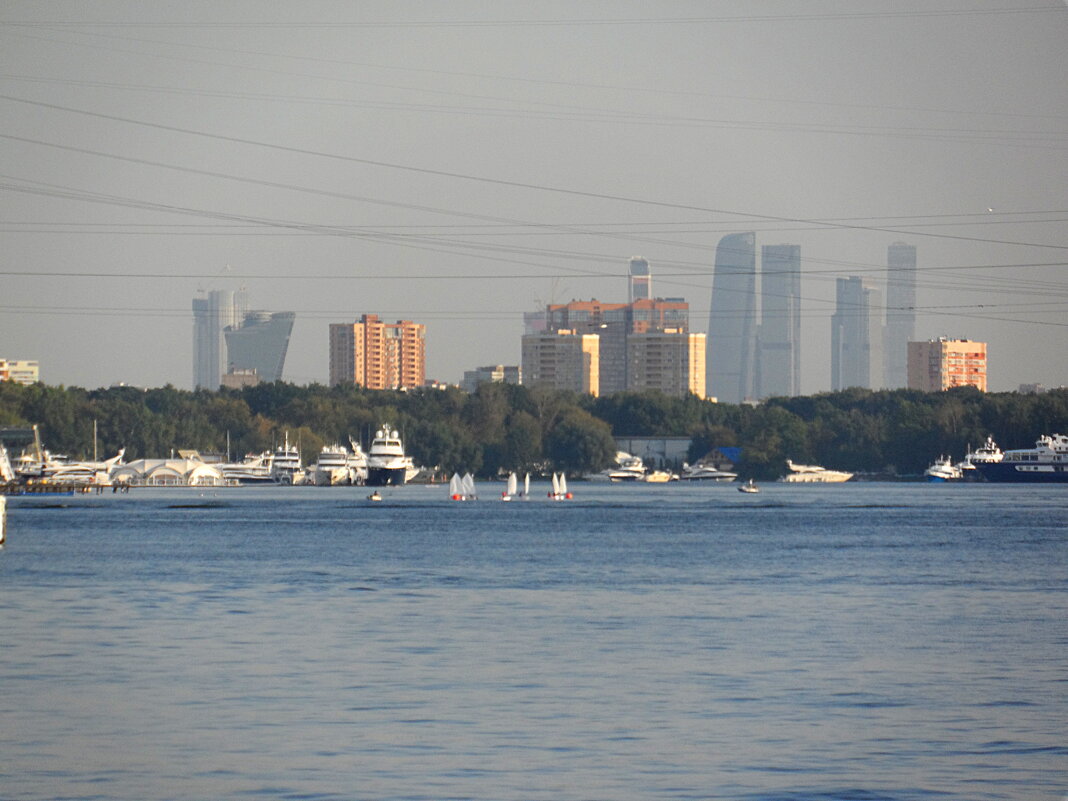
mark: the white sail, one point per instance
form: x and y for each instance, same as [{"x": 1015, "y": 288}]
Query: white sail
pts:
[
  {"x": 455, "y": 486},
  {"x": 469, "y": 485},
  {"x": 513, "y": 484},
  {"x": 563, "y": 484},
  {"x": 556, "y": 485},
  {"x": 526, "y": 486}
]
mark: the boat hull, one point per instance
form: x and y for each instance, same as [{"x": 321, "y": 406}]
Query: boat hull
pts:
[
  {"x": 1024, "y": 473},
  {"x": 385, "y": 476}
]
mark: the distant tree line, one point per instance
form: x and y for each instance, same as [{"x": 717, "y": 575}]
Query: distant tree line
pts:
[{"x": 504, "y": 427}]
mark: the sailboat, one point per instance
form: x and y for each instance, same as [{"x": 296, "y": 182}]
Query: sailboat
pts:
[
  {"x": 469, "y": 487},
  {"x": 513, "y": 488},
  {"x": 526, "y": 488},
  {"x": 559, "y": 491},
  {"x": 456, "y": 487}
]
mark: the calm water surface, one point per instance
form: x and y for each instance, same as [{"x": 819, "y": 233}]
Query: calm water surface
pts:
[{"x": 859, "y": 641}]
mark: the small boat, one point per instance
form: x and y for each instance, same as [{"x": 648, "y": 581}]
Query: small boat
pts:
[
  {"x": 375, "y": 496},
  {"x": 749, "y": 486},
  {"x": 512, "y": 489},
  {"x": 943, "y": 469},
  {"x": 559, "y": 488},
  {"x": 462, "y": 488}
]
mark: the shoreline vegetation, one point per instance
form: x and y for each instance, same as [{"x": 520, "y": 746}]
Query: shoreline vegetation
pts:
[{"x": 502, "y": 428}]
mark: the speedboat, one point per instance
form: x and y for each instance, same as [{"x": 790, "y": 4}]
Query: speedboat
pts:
[
  {"x": 705, "y": 472},
  {"x": 813, "y": 474},
  {"x": 386, "y": 463},
  {"x": 627, "y": 468}
]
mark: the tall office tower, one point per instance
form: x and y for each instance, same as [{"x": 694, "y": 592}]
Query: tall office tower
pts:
[
  {"x": 943, "y": 363},
  {"x": 641, "y": 280},
  {"x": 732, "y": 320},
  {"x": 260, "y": 344},
  {"x": 900, "y": 311},
  {"x": 378, "y": 355},
  {"x": 221, "y": 308},
  {"x": 562, "y": 359},
  {"x": 671, "y": 361},
  {"x": 779, "y": 342},
  {"x": 856, "y": 335}
]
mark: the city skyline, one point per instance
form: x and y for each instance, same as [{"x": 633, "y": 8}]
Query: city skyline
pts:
[{"x": 475, "y": 165}]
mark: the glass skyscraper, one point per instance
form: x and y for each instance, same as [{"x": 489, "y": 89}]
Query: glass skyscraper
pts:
[
  {"x": 260, "y": 344},
  {"x": 221, "y": 308},
  {"x": 856, "y": 335},
  {"x": 779, "y": 342},
  {"x": 900, "y": 311},
  {"x": 732, "y": 324}
]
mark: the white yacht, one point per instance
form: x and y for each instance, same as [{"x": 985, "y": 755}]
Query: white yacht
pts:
[
  {"x": 627, "y": 468},
  {"x": 357, "y": 464},
  {"x": 331, "y": 468},
  {"x": 256, "y": 468},
  {"x": 285, "y": 465},
  {"x": 705, "y": 472},
  {"x": 813, "y": 474},
  {"x": 988, "y": 452},
  {"x": 386, "y": 462}
]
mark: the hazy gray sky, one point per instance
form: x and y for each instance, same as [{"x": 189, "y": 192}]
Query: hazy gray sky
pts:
[{"x": 460, "y": 163}]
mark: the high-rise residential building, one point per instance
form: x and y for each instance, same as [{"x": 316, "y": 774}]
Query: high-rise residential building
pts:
[
  {"x": 378, "y": 355},
  {"x": 668, "y": 360},
  {"x": 21, "y": 371},
  {"x": 900, "y": 311},
  {"x": 260, "y": 344},
  {"x": 614, "y": 324},
  {"x": 778, "y": 362},
  {"x": 856, "y": 335},
  {"x": 732, "y": 323},
  {"x": 492, "y": 374},
  {"x": 211, "y": 315},
  {"x": 944, "y": 363},
  {"x": 641, "y": 280},
  {"x": 564, "y": 359}
]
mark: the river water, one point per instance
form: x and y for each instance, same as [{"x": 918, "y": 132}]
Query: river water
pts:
[{"x": 859, "y": 641}]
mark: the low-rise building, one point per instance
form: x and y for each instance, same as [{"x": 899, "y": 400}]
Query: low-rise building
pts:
[{"x": 21, "y": 371}]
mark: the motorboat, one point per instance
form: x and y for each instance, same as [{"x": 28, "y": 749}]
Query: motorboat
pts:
[
  {"x": 749, "y": 487},
  {"x": 285, "y": 464},
  {"x": 987, "y": 452},
  {"x": 628, "y": 467},
  {"x": 943, "y": 469},
  {"x": 659, "y": 477},
  {"x": 331, "y": 468},
  {"x": 813, "y": 474},
  {"x": 386, "y": 463},
  {"x": 255, "y": 468},
  {"x": 1046, "y": 462},
  {"x": 705, "y": 472}
]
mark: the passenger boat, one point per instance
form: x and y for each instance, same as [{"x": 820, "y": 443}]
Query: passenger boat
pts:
[
  {"x": 285, "y": 464},
  {"x": 1047, "y": 462},
  {"x": 943, "y": 469},
  {"x": 987, "y": 452},
  {"x": 254, "y": 469},
  {"x": 386, "y": 463},
  {"x": 813, "y": 474}
]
